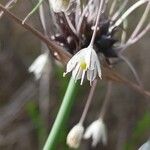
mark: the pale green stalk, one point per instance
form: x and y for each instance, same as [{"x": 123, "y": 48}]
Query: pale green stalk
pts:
[
  {"x": 33, "y": 10},
  {"x": 62, "y": 116}
]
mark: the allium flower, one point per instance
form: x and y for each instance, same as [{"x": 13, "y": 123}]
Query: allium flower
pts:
[
  {"x": 145, "y": 146},
  {"x": 86, "y": 60},
  {"x": 96, "y": 131},
  {"x": 75, "y": 135},
  {"x": 60, "y": 5},
  {"x": 38, "y": 65}
]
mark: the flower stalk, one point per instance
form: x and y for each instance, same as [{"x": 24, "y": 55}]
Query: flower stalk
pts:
[
  {"x": 89, "y": 100},
  {"x": 61, "y": 116},
  {"x": 97, "y": 22}
]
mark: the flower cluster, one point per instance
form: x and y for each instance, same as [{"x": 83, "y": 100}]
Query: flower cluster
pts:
[
  {"x": 79, "y": 31},
  {"x": 96, "y": 131}
]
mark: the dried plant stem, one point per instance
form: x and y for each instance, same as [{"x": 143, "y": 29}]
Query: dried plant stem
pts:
[
  {"x": 33, "y": 10},
  {"x": 118, "y": 12},
  {"x": 70, "y": 24},
  {"x": 62, "y": 116},
  {"x": 135, "y": 39},
  {"x": 89, "y": 100},
  {"x": 141, "y": 22},
  {"x": 82, "y": 16},
  {"x": 44, "y": 96},
  {"x": 106, "y": 101},
  {"x": 124, "y": 33},
  {"x": 128, "y": 12},
  {"x": 105, "y": 5},
  {"x": 135, "y": 36},
  {"x": 7, "y": 6},
  {"x": 112, "y": 7},
  {"x": 132, "y": 69},
  {"x": 140, "y": 35},
  {"x": 97, "y": 21}
]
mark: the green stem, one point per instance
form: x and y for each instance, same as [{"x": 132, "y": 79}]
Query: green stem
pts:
[{"x": 61, "y": 116}]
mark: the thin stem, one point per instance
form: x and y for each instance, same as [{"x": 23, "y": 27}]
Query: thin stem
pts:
[
  {"x": 135, "y": 36},
  {"x": 106, "y": 101},
  {"x": 70, "y": 24},
  {"x": 141, "y": 22},
  {"x": 135, "y": 39},
  {"x": 82, "y": 16},
  {"x": 89, "y": 100},
  {"x": 44, "y": 97},
  {"x": 140, "y": 35},
  {"x": 42, "y": 18},
  {"x": 97, "y": 21},
  {"x": 7, "y": 6},
  {"x": 118, "y": 12},
  {"x": 77, "y": 13},
  {"x": 124, "y": 33},
  {"x": 33, "y": 10},
  {"x": 113, "y": 5},
  {"x": 62, "y": 116},
  {"x": 128, "y": 12},
  {"x": 105, "y": 5},
  {"x": 132, "y": 69}
]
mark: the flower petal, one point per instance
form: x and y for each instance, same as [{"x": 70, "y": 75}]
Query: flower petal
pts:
[
  {"x": 71, "y": 64},
  {"x": 91, "y": 74},
  {"x": 75, "y": 72},
  {"x": 97, "y": 132}
]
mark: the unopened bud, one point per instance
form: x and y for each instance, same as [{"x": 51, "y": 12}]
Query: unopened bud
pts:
[
  {"x": 97, "y": 132},
  {"x": 75, "y": 135}
]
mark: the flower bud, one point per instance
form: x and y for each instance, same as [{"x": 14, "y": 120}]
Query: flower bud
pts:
[
  {"x": 60, "y": 5},
  {"x": 38, "y": 65},
  {"x": 75, "y": 135},
  {"x": 97, "y": 132}
]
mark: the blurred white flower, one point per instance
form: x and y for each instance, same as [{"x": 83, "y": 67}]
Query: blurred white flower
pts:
[
  {"x": 145, "y": 146},
  {"x": 96, "y": 131},
  {"x": 60, "y": 5},
  {"x": 86, "y": 60},
  {"x": 38, "y": 65},
  {"x": 75, "y": 135}
]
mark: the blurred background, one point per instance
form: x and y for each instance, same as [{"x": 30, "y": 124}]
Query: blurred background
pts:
[{"x": 28, "y": 107}]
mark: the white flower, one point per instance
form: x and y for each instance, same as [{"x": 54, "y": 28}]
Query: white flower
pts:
[
  {"x": 86, "y": 60},
  {"x": 38, "y": 65},
  {"x": 75, "y": 135},
  {"x": 145, "y": 146},
  {"x": 59, "y": 5},
  {"x": 96, "y": 131}
]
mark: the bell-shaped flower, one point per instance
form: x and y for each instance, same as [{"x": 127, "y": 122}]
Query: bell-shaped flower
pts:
[
  {"x": 96, "y": 131},
  {"x": 86, "y": 60},
  {"x": 145, "y": 146},
  {"x": 75, "y": 135},
  {"x": 38, "y": 65},
  {"x": 60, "y": 5}
]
